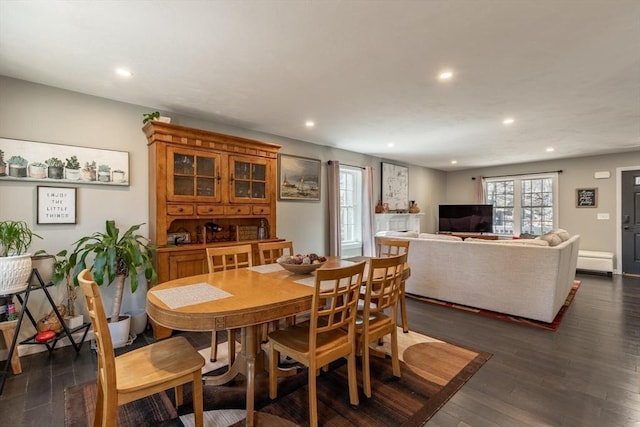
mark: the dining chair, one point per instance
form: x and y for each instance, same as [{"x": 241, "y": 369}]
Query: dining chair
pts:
[
  {"x": 142, "y": 372},
  {"x": 327, "y": 336},
  {"x": 388, "y": 247},
  {"x": 269, "y": 252},
  {"x": 227, "y": 258},
  {"x": 373, "y": 323}
]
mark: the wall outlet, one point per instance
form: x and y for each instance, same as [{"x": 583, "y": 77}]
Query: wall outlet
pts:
[{"x": 603, "y": 216}]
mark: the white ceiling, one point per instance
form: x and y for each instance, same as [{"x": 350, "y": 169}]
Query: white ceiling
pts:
[{"x": 567, "y": 71}]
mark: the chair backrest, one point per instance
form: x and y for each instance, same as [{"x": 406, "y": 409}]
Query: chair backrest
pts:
[
  {"x": 390, "y": 247},
  {"x": 104, "y": 345},
  {"x": 269, "y": 252},
  {"x": 384, "y": 284},
  {"x": 335, "y": 300},
  {"x": 229, "y": 257}
]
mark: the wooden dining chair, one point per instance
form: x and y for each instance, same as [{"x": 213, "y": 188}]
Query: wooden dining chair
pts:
[
  {"x": 227, "y": 258},
  {"x": 388, "y": 247},
  {"x": 372, "y": 323},
  {"x": 327, "y": 336},
  {"x": 141, "y": 372},
  {"x": 269, "y": 252}
]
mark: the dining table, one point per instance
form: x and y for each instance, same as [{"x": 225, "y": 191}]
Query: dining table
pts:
[{"x": 242, "y": 298}]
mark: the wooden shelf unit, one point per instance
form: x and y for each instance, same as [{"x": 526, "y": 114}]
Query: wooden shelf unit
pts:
[{"x": 198, "y": 178}]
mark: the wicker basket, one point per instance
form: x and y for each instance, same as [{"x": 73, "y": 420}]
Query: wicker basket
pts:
[{"x": 14, "y": 273}]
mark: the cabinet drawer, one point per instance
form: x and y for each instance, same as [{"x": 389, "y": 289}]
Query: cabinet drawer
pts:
[
  {"x": 180, "y": 209},
  {"x": 237, "y": 210},
  {"x": 209, "y": 210},
  {"x": 261, "y": 210}
]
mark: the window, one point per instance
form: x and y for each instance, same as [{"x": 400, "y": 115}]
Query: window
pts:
[
  {"x": 351, "y": 210},
  {"x": 523, "y": 204}
]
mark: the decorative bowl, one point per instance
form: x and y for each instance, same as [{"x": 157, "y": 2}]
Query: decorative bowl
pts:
[{"x": 301, "y": 268}]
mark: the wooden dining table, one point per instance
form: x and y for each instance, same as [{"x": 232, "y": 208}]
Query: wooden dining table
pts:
[{"x": 243, "y": 298}]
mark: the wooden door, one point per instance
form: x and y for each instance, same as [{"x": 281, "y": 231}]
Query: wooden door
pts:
[
  {"x": 631, "y": 222},
  {"x": 187, "y": 264}
]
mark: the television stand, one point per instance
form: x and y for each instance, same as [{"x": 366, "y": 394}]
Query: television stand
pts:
[{"x": 474, "y": 235}]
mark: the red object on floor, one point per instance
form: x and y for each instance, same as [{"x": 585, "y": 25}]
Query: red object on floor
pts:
[{"x": 45, "y": 336}]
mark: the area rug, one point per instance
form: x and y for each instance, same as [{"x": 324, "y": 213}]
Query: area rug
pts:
[
  {"x": 553, "y": 326},
  {"x": 432, "y": 372}
]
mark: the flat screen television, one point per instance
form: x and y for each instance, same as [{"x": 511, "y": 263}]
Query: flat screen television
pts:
[{"x": 465, "y": 218}]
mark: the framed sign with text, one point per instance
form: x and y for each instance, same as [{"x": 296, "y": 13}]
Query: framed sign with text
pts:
[
  {"x": 56, "y": 205},
  {"x": 587, "y": 198}
]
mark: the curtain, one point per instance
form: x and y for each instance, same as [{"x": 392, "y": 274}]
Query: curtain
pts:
[
  {"x": 368, "y": 206},
  {"x": 480, "y": 189},
  {"x": 333, "y": 180}
]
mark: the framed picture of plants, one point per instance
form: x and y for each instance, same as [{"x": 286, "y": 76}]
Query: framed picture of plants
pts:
[
  {"x": 57, "y": 163},
  {"x": 57, "y": 205}
]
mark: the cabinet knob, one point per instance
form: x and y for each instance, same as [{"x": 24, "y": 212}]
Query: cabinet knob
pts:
[{"x": 180, "y": 210}]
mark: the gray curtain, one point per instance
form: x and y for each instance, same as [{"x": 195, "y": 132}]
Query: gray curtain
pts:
[
  {"x": 368, "y": 207},
  {"x": 333, "y": 179}
]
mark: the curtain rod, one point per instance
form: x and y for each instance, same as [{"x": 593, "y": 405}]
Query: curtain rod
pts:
[
  {"x": 518, "y": 174},
  {"x": 344, "y": 164}
]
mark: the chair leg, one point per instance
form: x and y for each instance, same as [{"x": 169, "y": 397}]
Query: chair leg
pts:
[
  {"x": 353, "y": 379},
  {"x": 110, "y": 411},
  {"x": 197, "y": 400},
  {"x": 100, "y": 406},
  {"x": 366, "y": 372},
  {"x": 214, "y": 346},
  {"x": 313, "y": 396},
  {"x": 274, "y": 356},
  {"x": 395, "y": 359},
  {"x": 403, "y": 309},
  {"x": 179, "y": 392}
]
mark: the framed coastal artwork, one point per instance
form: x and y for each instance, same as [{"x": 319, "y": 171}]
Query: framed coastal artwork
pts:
[
  {"x": 298, "y": 178},
  {"x": 395, "y": 187},
  {"x": 57, "y": 163}
]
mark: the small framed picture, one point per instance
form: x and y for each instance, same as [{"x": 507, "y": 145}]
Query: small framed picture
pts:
[
  {"x": 298, "y": 178},
  {"x": 586, "y": 198},
  {"x": 56, "y": 205}
]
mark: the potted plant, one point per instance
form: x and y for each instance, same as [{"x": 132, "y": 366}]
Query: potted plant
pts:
[
  {"x": 116, "y": 258},
  {"x": 37, "y": 170},
  {"x": 15, "y": 262},
  {"x": 146, "y": 117},
  {"x": 104, "y": 173},
  {"x": 18, "y": 166},
  {"x": 55, "y": 168},
  {"x": 88, "y": 172},
  {"x": 72, "y": 169},
  {"x": 118, "y": 176},
  {"x": 3, "y": 165}
]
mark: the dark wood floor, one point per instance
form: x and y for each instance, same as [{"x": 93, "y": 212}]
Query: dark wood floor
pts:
[{"x": 585, "y": 374}]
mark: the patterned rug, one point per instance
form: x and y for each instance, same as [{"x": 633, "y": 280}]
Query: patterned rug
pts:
[
  {"x": 553, "y": 326},
  {"x": 432, "y": 372}
]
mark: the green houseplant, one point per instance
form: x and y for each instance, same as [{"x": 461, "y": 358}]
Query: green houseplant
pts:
[
  {"x": 18, "y": 166},
  {"x": 55, "y": 168},
  {"x": 3, "y": 165},
  {"x": 72, "y": 168},
  {"x": 15, "y": 262},
  {"x": 116, "y": 258},
  {"x": 150, "y": 116},
  {"x": 104, "y": 173}
]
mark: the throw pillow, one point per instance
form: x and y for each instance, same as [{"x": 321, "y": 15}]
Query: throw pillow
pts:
[{"x": 552, "y": 238}]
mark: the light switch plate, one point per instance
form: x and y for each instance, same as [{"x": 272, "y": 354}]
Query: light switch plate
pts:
[{"x": 603, "y": 216}]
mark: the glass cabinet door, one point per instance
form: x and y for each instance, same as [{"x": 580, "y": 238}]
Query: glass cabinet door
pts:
[
  {"x": 248, "y": 179},
  {"x": 191, "y": 174}
]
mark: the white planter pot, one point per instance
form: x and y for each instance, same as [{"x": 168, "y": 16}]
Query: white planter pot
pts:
[
  {"x": 46, "y": 267},
  {"x": 138, "y": 321},
  {"x": 14, "y": 273},
  {"x": 120, "y": 331}
]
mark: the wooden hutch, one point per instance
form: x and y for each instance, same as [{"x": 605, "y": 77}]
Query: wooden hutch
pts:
[{"x": 207, "y": 189}]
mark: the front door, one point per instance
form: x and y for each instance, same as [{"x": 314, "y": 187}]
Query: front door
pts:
[{"x": 631, "y": 222}]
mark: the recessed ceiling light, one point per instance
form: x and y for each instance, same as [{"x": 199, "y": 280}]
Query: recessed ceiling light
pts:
[
  {"x": 454, "y": 162},
  {"x": 391, "y": 145},
  {"x": 508, "y": 121},
  {"x": 122, "y": 72},
  {"x": 550, "y": 150},
  {"x": 445, "y": 75},
  {"x": 309, "y": 123}
]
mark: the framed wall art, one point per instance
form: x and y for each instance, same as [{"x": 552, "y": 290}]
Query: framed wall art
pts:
[
  {"x": 298, "y": 178},
  {"x": 56, "y": 163},
  {"x": 56, "y": 205},
  {"x": 586, "y": 198},
  {"x": 395, "y": 187}
]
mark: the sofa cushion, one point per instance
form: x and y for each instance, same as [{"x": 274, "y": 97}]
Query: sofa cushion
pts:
[
  {"x": 517, "y": 242},
  {"x": 430, "y": 236},
  {"x": 555, "y": 237}
]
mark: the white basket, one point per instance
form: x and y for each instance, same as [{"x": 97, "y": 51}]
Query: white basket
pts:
[{"x": 14, "y": 273}]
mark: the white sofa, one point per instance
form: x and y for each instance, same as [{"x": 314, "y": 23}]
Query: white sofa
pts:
[{"x": 523, "y": 278}]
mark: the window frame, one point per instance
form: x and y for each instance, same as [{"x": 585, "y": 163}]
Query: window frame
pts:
[{"x": 356, "y": 207}]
